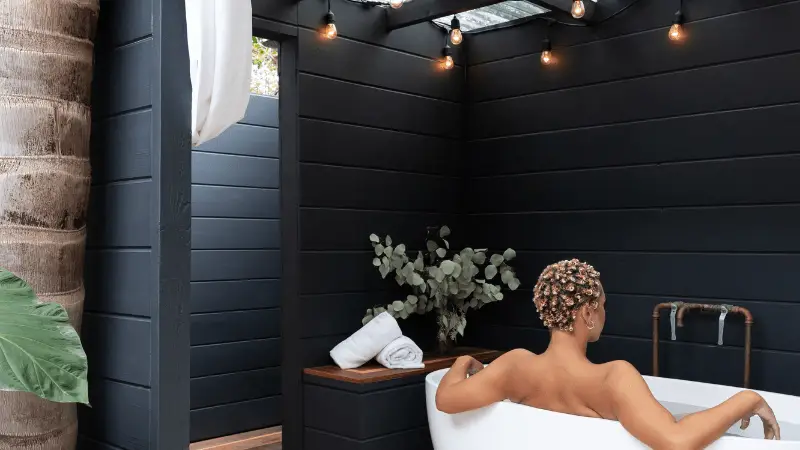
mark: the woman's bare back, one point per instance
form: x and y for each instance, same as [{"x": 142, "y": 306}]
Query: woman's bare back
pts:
[{"x": 567, "y": 386}]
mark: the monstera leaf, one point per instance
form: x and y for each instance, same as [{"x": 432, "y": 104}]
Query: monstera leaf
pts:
[{"x": 40, "y": 352}]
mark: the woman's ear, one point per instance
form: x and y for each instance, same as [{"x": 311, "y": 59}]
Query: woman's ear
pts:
[{"x": 587, "y": 314}]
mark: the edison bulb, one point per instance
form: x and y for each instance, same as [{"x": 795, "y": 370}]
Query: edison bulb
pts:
[
  {"x": 330, "y": 32},
  {"x": 448, "y": 62},
  {"x": 456, "y": 37},
  {"x": 396, "y": 4},
  {"x": 578, "y": 9},
  {"x": 676, "y": 32},
  {"x": 547, "y": 58}
]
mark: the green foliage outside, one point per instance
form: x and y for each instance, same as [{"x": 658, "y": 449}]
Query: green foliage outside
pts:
[{"x": 264, "y": 74}]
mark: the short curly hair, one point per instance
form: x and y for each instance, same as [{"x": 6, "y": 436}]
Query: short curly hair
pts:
[{"x": 562, "y": 289}]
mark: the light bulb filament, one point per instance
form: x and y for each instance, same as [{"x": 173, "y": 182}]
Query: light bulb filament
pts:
[
  {"x": 547, "y": 57},
  {"x": 578, "y": 9},
  {"x": 330, "y": 31},
  {"x": 396, "y": 4},
  {"x": 448, "y": 63},
  {"x": 676, "y": 32},
  {"x": 456, "y": 37}
]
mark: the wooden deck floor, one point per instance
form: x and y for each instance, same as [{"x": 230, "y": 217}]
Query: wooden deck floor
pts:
[{"x": 264, "y": 439}]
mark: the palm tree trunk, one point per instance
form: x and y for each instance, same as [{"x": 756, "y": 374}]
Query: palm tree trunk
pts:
[{"x": 45, "y": 85}]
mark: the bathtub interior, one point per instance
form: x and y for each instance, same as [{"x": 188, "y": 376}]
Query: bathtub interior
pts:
[{"x": 685, "y": 397}]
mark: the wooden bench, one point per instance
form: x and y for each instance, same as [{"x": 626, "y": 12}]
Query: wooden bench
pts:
[{"x": 372, "y": 407}]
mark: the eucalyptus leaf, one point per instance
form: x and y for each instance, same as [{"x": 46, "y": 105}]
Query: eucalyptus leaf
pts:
[
  {"x": 513, "y": 284},
  {"x": 410, "y": 307},
  {"x": 388, "y": 240},
  {"x": 374, "y": 238},
  {"x": 490, "y": 272},
  {"x": 447, "y": 267},
  {"x": 388, "y": 251},
  {"x": 444, "y": 320},
  {"x": 397, "y": 262},
  {"x": 376, "y": 262},
  {"x": 404, "y": 314},
  {"x": 432, "y": 246},
  {"x": 479, "y": 258},
  {"x": 473, "y": 303},
  {"x": 441, "y": 253},
  {"x": 40, "y": 352},
  {"x": 400, "y": 249},
  {"x": 507, "y": 276},
  {"x": 366, "y": 320},
  {"x": 397, "y": 305},
  {"x": 419, "y": 263},
  {"x": 498, "y": 296},
  {"x": 384, "y": 270},
  {"x": 433, "y": 283},
  {"x": 417, "y": 280},
  {"x": 453, "y": 288},
  {"x": 439, "y": 275},
  {"x": 413, "y": 299},
  {"x": 379, "y": 250},
  {"x": 444, "y": 231},
  {"x": 509, "y": 254},
  {"x": 496, "y": 259},
  {"x": 408, "y": 269},
  {"x": 446, "y": 244},
  {"x": 456, "y": 270}
]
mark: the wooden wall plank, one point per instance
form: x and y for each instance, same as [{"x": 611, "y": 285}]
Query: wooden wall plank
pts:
[
  {"x": 280, "y": 10},
  {"x": 120, "y": 414},
  {"x": 324, "y": 98},
  {"x": 213, "y": 233},
  {"x": 216, "y": 328},
  {"x": 223, "y": 265},
  {"x": 233, "y": 202},
  {"x": 715, "y": 135},
  {"x": 235, "y": 387},
  {"x": 419, "y": 438},
  {"x": 262, "y": 111},
  {"x": 403, "y": 227},
  {"x": 121, "y": 147},
  {"x": 369, "y": 25},
  {"x": 126, "y": 81},
  {"x": 382, "y": 67},
  {"x": 338, "y": 272},
  {"x": 118, "y": 281},
  {"x": 614, "y": 59},
  {"x": 246, "y": 140},
  {"x": 119, "y": 347},
  {"x": 345, "y": 187},
  {"x": 219, "y": 296},
  {"x": 231, "y": 170},
  {"x": 235, "y": 357},
  {"x": 702, "y": 90},
  {"x": 377, "y": 149},
  {"x": 124, "y": 21},
  {"x": 525, "y": 39},
  {"x": 235, "y": 418},
  {"x": 119, "y": 215}
]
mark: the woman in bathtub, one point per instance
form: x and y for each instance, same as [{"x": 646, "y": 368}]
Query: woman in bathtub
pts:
[{"x": 571, "y": 303}]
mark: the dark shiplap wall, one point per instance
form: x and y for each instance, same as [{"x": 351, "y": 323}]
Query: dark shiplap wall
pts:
[
  {"x": 671, "y": 168},
  {"x": 236, "y": 267},
  {"x": 138, "y": 225},
  {"x": 379, "y": 132}
]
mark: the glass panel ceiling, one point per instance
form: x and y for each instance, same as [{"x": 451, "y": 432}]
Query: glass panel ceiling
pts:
[{"x": 492, "y": 15}]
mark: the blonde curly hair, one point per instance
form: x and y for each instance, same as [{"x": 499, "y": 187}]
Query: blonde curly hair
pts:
[{"x": 562, "y": 289}]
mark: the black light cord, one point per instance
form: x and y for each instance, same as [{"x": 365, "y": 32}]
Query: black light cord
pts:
[{"x": 581, "y": 25}]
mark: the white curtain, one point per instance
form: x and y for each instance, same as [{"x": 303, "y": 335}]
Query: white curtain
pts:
[{"x": 220, "y": 52}]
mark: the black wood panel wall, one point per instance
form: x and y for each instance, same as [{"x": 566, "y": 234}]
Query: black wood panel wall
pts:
[
  {"x": 671, "y": 168},
  {"x": 136, "y": 262},
  {"x": 236, "y": 268}
]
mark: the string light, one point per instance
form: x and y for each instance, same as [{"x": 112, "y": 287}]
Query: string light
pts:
[
  {"x": 578, "y": 9},
  {"x": 547, "y": 55},
  {"x": 456, "y": 37},
  {"x": 396, "y": 4},
  {"x": 676, "y": 30},
  {"x": 329, "y": 31},
  {"x": 447, "y": 61}
]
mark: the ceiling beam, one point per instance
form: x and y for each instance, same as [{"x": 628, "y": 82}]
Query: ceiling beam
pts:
[
  {"x": 420, "y": 11},
  {"x": 566, "y": 6}
]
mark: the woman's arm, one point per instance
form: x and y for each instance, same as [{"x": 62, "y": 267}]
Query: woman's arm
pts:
[
  {"x": 457, "y": 393},
  {"x": 645, "y": 418}
]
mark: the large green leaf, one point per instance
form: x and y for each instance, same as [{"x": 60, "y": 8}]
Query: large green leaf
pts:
[{"x": 40, "y": 352}]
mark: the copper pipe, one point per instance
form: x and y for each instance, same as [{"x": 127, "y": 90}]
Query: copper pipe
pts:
[
  {"x": 656, "y": 316},
  {"x": 748, "y": 323}
]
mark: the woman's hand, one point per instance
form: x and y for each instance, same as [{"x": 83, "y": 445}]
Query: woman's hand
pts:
[
  {"x": 772, "y": 430},
  {"x": 473, "y": 365}
]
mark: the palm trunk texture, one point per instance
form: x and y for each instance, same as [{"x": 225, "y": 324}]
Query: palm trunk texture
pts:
[{"x": 45, "y": 87}]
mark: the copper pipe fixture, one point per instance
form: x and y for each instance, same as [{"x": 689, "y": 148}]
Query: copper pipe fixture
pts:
[{"x": 683, "y": 307}]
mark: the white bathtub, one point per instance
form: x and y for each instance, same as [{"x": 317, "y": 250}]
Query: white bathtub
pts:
[{"x": 511, "y": 426}]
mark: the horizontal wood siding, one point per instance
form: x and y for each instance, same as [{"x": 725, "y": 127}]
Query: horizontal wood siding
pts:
[
  {"x": 236, "y": 271},
  {"x": 668, "y": 167},
  {"x": 119, "y": 279}
]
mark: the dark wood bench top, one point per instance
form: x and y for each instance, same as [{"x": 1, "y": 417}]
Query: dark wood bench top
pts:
[{"x": 373, "y": 372}]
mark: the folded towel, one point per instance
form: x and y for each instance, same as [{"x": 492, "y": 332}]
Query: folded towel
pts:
[
  {"x": 401, "y": 353},
  {"x": 367, "y": 342}
]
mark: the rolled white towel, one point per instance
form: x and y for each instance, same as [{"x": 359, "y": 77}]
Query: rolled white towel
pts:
[
  {"x": 401, "y": 353},
  {"x": 366, "y": 343}
]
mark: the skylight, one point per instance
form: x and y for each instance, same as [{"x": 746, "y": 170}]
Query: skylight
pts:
[{"x": 492, "y": 15}]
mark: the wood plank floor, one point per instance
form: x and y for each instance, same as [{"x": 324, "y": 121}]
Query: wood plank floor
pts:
[{"x": 264, "y": 439}]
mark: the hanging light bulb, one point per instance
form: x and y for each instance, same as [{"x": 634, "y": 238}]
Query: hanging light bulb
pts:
[
  {"x": 578, "y": 9},
  {"x": 676, "y": 30},
  {"x": 456, "y": 37},
  {"x": 447, "y": 61},
  {"x": 396, "y": 4},
  {"x": 329, "y": 30},
  {"x": 547, "y": 54}
]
